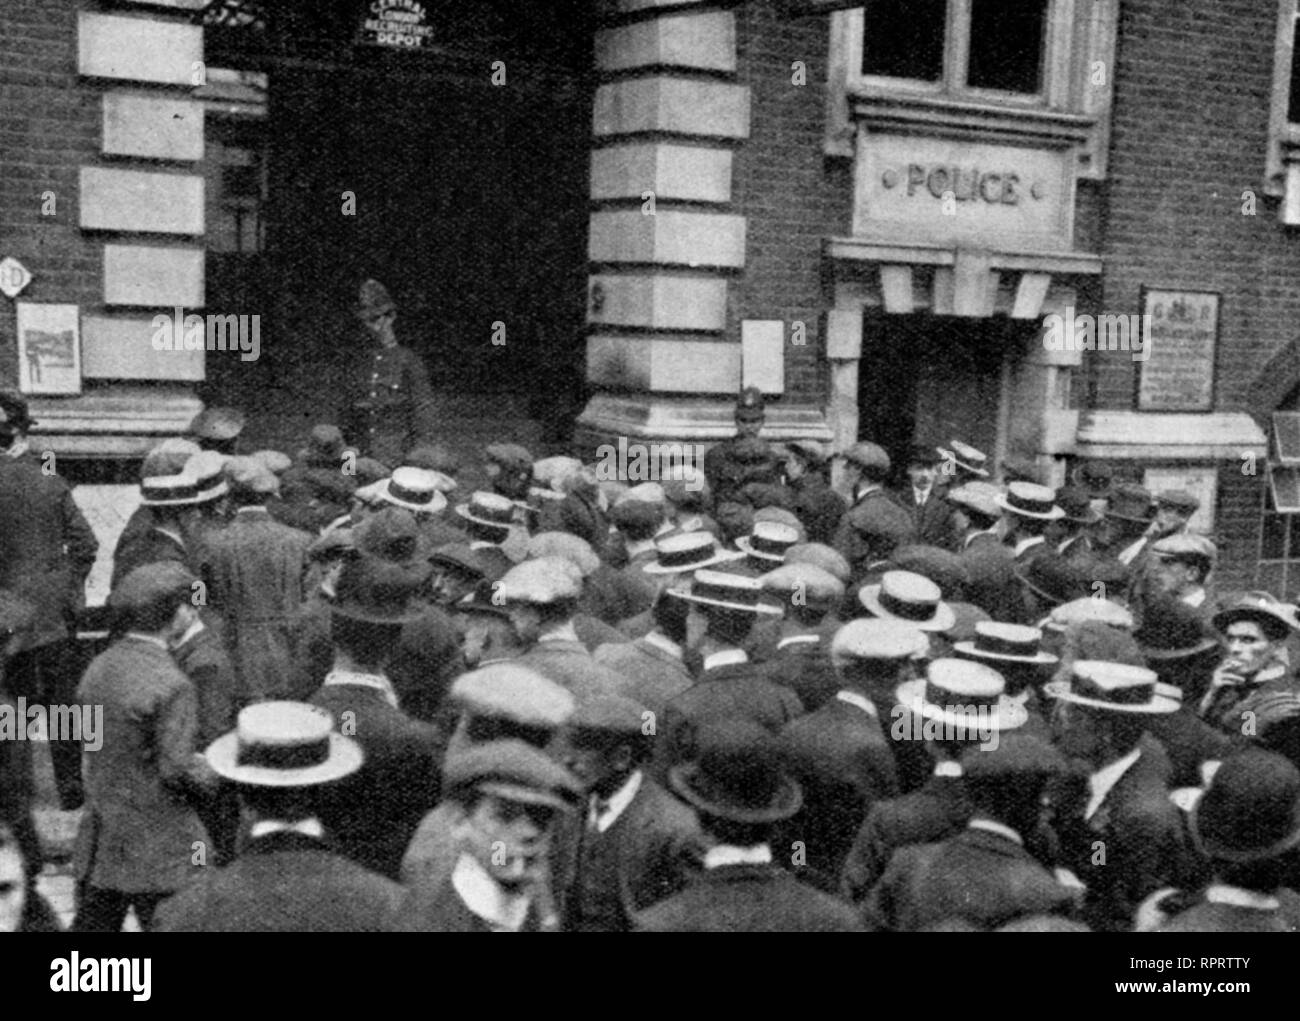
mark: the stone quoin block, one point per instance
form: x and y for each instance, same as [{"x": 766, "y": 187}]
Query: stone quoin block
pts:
[
  {"x": 678, "y": 105},
  {"x": 152, "y": 127},
  {"x": 138, "y": 49},
  {"x": 134, "y": 200},
  {"x": 142, "y": 275},
  {"x": 663, "y": 364},
  {"x": 683, "y": 172},
  {"x": 122, "y": 348},
  {"x": 704, "y": 41},
  {"x": 669, "y": 237},
  {"x": 658, "y": 302}
]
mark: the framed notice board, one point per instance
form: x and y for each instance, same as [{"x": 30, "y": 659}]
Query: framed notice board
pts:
[{"x": 1182, "y": 334}]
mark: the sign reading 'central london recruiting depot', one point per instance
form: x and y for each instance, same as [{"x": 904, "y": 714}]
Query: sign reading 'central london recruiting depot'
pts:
[{"x": 399, "y": 23}]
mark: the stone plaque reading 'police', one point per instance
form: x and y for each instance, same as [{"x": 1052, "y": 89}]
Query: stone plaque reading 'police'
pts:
[{"x": 1182, "y": 330}]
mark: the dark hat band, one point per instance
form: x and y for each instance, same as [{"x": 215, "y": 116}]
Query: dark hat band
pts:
[
  {"x": 1133, "y": 694},
  {"x": 777, "y": 547},
  {"x": 905, "y": 609},
  {"x": 950, "y": 701},
  {"x": 1029, "y": 506},
  {"x": 400, "y": 492},
  {"x": 688, "y": 557},
  {"x": 186, "y": 492},
  {"x": 999, "y": 646},
  {"x": 292, "y": 756},
  {"x": 503, "y": 517},
  {"x": 725, "y": 593}
]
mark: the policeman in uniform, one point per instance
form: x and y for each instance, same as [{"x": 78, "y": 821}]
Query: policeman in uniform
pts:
[
  {"x": 387, "y": 405},
  {"x": 731, "y": 464}
]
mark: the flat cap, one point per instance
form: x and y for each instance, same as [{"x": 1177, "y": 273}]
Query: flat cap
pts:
[
  {"x": 981, "y": 497},
  {"x": 333, "y": 543},
  {"x": 878, "y": 639},
  {"x": 804, "y": 580},
  {"x": 553, "y": 471},
  {"x": 168, "y": 458},
  {"x": 277, "y": 461},
  {"x": 644, "y": 492},
  {"x": 1089, "y": 608},
  {"x": 636, "y": 515},
  {"x": 567, "y": 546},
  {"x": 780, "y": 516},
  {"x": 820, "y": 555},
  {"x": 610, "y": 713},
  {"x": 218, "y": 424},
  {"x": 249, "y": 475},
  {"x": 1179, "y": 499},
  {"x": 510, "y": 456},
  {"x": 147, "y": 584},
  {"x": 1185, "y": 546},
  {"x": 514, "y": 692},
  {"x": 542, "y": 580},
  {"x": 459, "y": 556},
  {"x": 432, "y": 457},
  {"x": 867, "y": 455},
  {"x": 515, "y": 771}
]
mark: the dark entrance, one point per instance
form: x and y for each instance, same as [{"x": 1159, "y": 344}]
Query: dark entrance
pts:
[
  {"x": 927, "y": 378},
  {"x": 465, "y": 196}
]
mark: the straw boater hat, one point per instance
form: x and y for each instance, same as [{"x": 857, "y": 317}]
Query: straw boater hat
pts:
[
  {"x": 966, "y": 457},
  {"x": 911, "y": 598},
  {"x": 769, "y": 540},
  {"x": 415, "y": 489},
  {"x": 1030, "y": 501},
  {"x": 489, "y": 509},
  {"x": 209, "y": 469},
  {"x": 1115, "y": 687},
  {"x": 1088, "y": 609},
  {"x": 1006, "y": 643},
  {"x": 682, "y": 552},
  {"x": 730, "y": 592},
  {"x": 284, "y": 744},
  {"x": 954, "y": 691},
  {"x": 172, "y": 491},
  {"x": 1251, "y": 810}
]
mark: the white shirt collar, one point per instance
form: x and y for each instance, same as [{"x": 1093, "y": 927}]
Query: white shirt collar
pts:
[
  {"x": 947, "y": 768},
  {"x": 1065, "y": 544},
  {"x": 1129, "y": 553},
  {"x": 863, "y": 490},
  {"x": 190, "y": 632},
  {"x": 1026, "y": 543},
  {"x": 254, "y": 509},
  {"x": 989, "y": 826},
  {"x": 1196, "y": 597},
  {"x": 798, "y": 640},
  {"x": 861, "y": 701},
  {"x": 1104, "y": 780},
  {"x": 603, "y": 816},
  {"x": 173, "y": 535},
  {"x": 151, "y": 639},
  {"x": 377, "y": 681},
  {"x": 919, "y": 496},
  {"x": 307, "y": 827},
  {"x": 480, "y": 544},
  {"x": 484, "y": 896},
  {"x": 639, "y": 546},
  {"x": 725, "y": 657},
  {"x": 983, "y": 531},
  {"x": 1221, "y": 893},
  {"x": 661, "y": 641},
  {"x": 727, "y": 854},
  {"x": 564, "y": 633}
]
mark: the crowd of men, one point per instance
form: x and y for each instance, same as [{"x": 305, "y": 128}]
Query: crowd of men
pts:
[{"x": 343, "y": 694}]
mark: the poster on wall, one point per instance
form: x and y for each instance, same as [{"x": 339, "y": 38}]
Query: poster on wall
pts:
[
  {"x": 1181, "y": 333},
  {"x": 49, "y": 349},
  {"x": 402, "y": 24},
  {"x": 1201, "y": 482}
]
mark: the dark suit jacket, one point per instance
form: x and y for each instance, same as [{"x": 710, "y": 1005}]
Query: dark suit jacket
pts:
[
  {"x": 937, "y": 811},
  {"x": 204, "y": 660},
  {"x": 386, "y": 406},
  {"x": 568, "y": 663},
  {"x": 153, "y": 546},
  {"x": 993, "y": 587},
  {"x": 374, "y": 812},
  {"x": 140, "y": 827},
  {"x": 749, "y": 898},
  {"x": 645, "y": 856},
  {"x": 818, "y": 507},
  {"x": 871, "y": 530},
  {"x": 645, "y": 672},
  {"x": 577, "y": 514},
  {"x": 1142, "y": 835},
  {"x": 612, "y": 594},
  {"x": 46, "y": 547},
  {"x": 932, "y": 519},
  {"x": 983, "y": 878},
  {"x": 283, "y": 882},
  {"x": 843, "y": 761},
  {"x": 806, "y": 669}
]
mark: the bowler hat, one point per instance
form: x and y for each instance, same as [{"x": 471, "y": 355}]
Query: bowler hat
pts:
[
  {"x": 284, "y": 744},
  {"x": 1113, "y": 687},
  {"x": 485, "y": 508},
  {"x": 960, "y": 693},
  {"x": 681, "y": 552},
  {"x": 513, "y": 770},
  {"x": 736, "y": 774},
  {"x": 374, "y": 591},
  {"x": 460, "y": 556},
  {"x": 1185, "y": 547},
  {"x": 1262, "y": 607},
  {"x": 1178, "y": 499},
  {"x": 1251, "y": 810},
  {"x": 923, "y": 454},
  {"x": 393, "y": 535},
  {"x": 908, "y": 597},
  {"x": 432, "y": 457}
]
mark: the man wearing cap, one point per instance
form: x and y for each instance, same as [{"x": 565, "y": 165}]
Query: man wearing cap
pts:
[
  {"x": 374, "y": 812},
  {"x": 218, "y": 429},
  {"x": 809, "y": 597},
  {"x": 504, "y": 799},
  {"x": 731, "y": 464},
  {"x": 874, "y": 525},
  {"x": 1125, "y": 532},
  {"x": 46, "y": 551},
  {"x": 652, "y": 669},
  {"x": 636, "y": 844},
  {"x": 996, "y": 869},
  {"x": 493, "y": 535},
  {"x": 138, "y": 836},
  {"x": 319, "y": 487},
  {"x": 764, "y": 547},
  {"x": 840, "y": 753},
  {"x": 963, "y": 463},
  {"x": 606, "y": 596},
  {"x": 1073, "y": 533},
  {"x": 1177, "y": 568},
  {"x": 174, "y": 503},
  {"x": 1255, "y": 630},
  {"x": 1174, "y": 511},
  {"x": 1247, "y": 824},
  {"x": 939, "y": 808},
  {"x": 581, "y": 510},
  {"x": 815, "y": 503},
  {"x": 287, "y": 878},
  {"x": 509, "y": 468},
  {"x": 254, "y": 572},
  {"x": 1119, "y": 832},
  {"x": 738, "y": 787},
  {"x": 990, "y": 564},
  {"x": 1027, "y": 511},
  {"x": 924, "y": 497},
  {"x": 168, "y": 458},
  {"x": 422, "y": 493}
]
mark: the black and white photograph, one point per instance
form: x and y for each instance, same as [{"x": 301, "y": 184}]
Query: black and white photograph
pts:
[{"x": 651, "y": 466}]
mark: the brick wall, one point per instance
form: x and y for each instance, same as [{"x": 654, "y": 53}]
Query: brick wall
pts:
[
  {"x": 792, "y": 195},
  {"x": 49, "y": 127},
  {"x": 1189, "y": 136}
]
